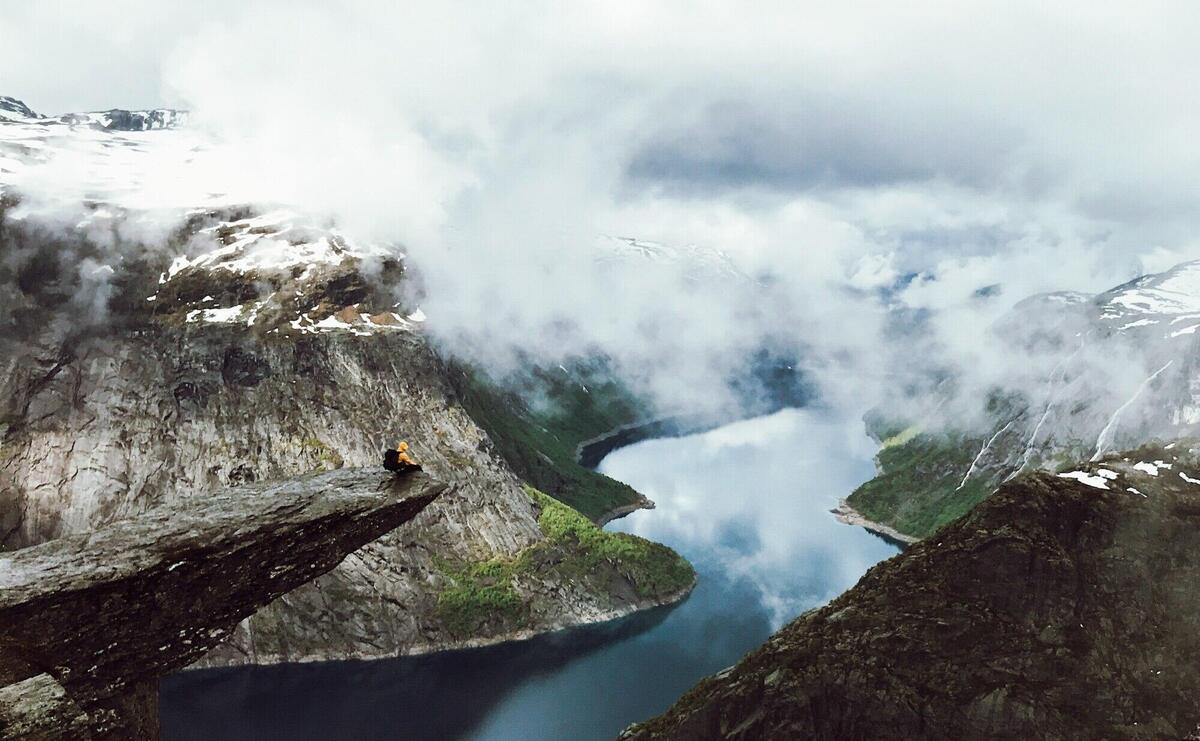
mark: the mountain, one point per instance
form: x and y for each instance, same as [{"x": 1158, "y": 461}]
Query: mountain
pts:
[
  {"x": 1109, "y": 371},
  {"x": 12, "y": 109},
  {"x": 157, "y": 342},
  {"x": 118, "y": 119},
  {"x": 1061, "y": 607},
  {"x": 115, "y": 119}
]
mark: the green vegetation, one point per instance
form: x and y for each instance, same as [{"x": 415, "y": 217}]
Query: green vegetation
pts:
[
  {"x": 918, "y": 490},
  {"x": 920, "y": 485},
  {"x": 539, "y": 441},
  {"x": 496, "y": 595},
  {"x": 652, "y": 569},
  {"x": 902, "y": 437},
  {"x": 479, "y": 591}
]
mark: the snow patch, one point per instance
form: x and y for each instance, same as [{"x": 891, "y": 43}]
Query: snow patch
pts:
[
  {"x": 1147, "y": 468},
  {"x": 220, "y": 315},
  {"x": 1083, "y": 477},
  {"x": 1139, "y": 323}
]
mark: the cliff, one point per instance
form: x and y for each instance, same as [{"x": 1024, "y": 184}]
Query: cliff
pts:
[
  {"x": 186, "y": 393},
  {"x": 1061, "y": 607},
  {"x": 150, "y": 353},
  {"x": 89, "y": 622}
]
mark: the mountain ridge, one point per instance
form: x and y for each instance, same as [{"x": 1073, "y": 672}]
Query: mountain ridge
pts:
[
  {"x": 1062, "y": 606},
  {"x": 1121, "y": 367},
  {"x": 13, "y": 110},
  {"x": 231, "y": 343}
]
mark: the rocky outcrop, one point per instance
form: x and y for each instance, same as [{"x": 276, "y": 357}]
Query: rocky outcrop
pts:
[
  {"x": 89, "y": 622},
  {"x": 1062, "y": 607},
  {"x": 119, "y": 119},
  {"x": 97, "y": 426}
]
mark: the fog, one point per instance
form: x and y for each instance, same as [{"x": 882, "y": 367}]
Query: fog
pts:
[{"x": 946, "y": 159}]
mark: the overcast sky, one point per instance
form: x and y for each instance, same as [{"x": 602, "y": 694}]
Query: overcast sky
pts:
[{"x": 1033, "y": 145}]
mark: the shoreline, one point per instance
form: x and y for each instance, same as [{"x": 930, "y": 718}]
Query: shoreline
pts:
[
  {"x": 617, "y": 513},
  {"x": 847, "y": 515},
  {"x": 426, "y": 649},
  {"x": 592, "y": 451}
]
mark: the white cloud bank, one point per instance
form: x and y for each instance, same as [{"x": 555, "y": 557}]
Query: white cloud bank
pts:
[{"x": 828, "y": 151}]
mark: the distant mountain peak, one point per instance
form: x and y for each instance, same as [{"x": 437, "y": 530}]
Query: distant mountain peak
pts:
[
  {"x": 13, "y": 106},
  {"x": 113, "y": 119},
  {"x": 1165, "y": 299},
  {"x": 119, "y": 119}
]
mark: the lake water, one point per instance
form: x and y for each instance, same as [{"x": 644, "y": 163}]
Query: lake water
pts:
[{"x": 748, "y": 504}]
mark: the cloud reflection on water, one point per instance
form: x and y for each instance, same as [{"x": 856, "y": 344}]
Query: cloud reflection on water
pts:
[
  {"x": 751, "y": 500},
  {"x": 748, "y": 504}
]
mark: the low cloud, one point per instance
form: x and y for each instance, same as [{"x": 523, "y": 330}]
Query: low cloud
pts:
[{"x": 937, "y": 160}]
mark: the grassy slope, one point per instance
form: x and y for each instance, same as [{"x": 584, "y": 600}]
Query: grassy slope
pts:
[
  {"x": 485, "y": 598},
  {"x": 540, "y": 444},
  {"x": 917, "y": 490},
  {"x": 920, "y": 486}
]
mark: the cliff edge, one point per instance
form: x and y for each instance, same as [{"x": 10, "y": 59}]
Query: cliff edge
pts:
[{"x": 89, "y": 622}]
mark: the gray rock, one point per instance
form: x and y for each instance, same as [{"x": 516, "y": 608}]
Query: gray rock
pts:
[
  {"x": 106, "y": 613},
  {"x": 39, "y": 708}
]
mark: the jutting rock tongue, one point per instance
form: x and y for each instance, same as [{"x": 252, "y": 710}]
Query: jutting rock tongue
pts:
[{"x": 89, "y": 622}]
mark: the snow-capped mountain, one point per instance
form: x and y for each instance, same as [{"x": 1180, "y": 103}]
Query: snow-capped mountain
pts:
[
  {"x": 132, "y": 177},
  {"x": 114, "y": 119},
  {"x": 12, "y": 109},
  {"x": 118, "y": 119},
  {"x": 1121, "y": 368},
  {"x": 161, "y": 338},
  {"x": 1164, "y": 303}
]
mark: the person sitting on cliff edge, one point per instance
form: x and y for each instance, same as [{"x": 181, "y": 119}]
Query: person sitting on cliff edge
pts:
[{"x": 397, "y": 459}]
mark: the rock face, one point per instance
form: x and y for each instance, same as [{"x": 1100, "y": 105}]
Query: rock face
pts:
[
  {"x": 116, "y": 119},
  {"x": 101, "y": 424},
  {"x": 116, "y": 425},
  {"x": 89, "y": 622},
  {"x": 149, "y": 353},
  {"x": 1061, "y": 607}
]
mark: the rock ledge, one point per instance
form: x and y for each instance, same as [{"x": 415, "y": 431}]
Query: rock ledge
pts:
[{"x": 89, "y": 622}]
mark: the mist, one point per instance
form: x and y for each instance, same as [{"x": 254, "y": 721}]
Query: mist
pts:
[{"x": 840, "y": 168}]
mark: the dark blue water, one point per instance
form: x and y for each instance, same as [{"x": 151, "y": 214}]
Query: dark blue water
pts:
[{"x": 747, "y": 504}]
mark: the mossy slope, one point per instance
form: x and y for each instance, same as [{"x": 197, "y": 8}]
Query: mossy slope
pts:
[
  {"x": 920, "y": 485},
  {"x": 540, "y": 443},
  {"x": 576, "y": 560}
]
